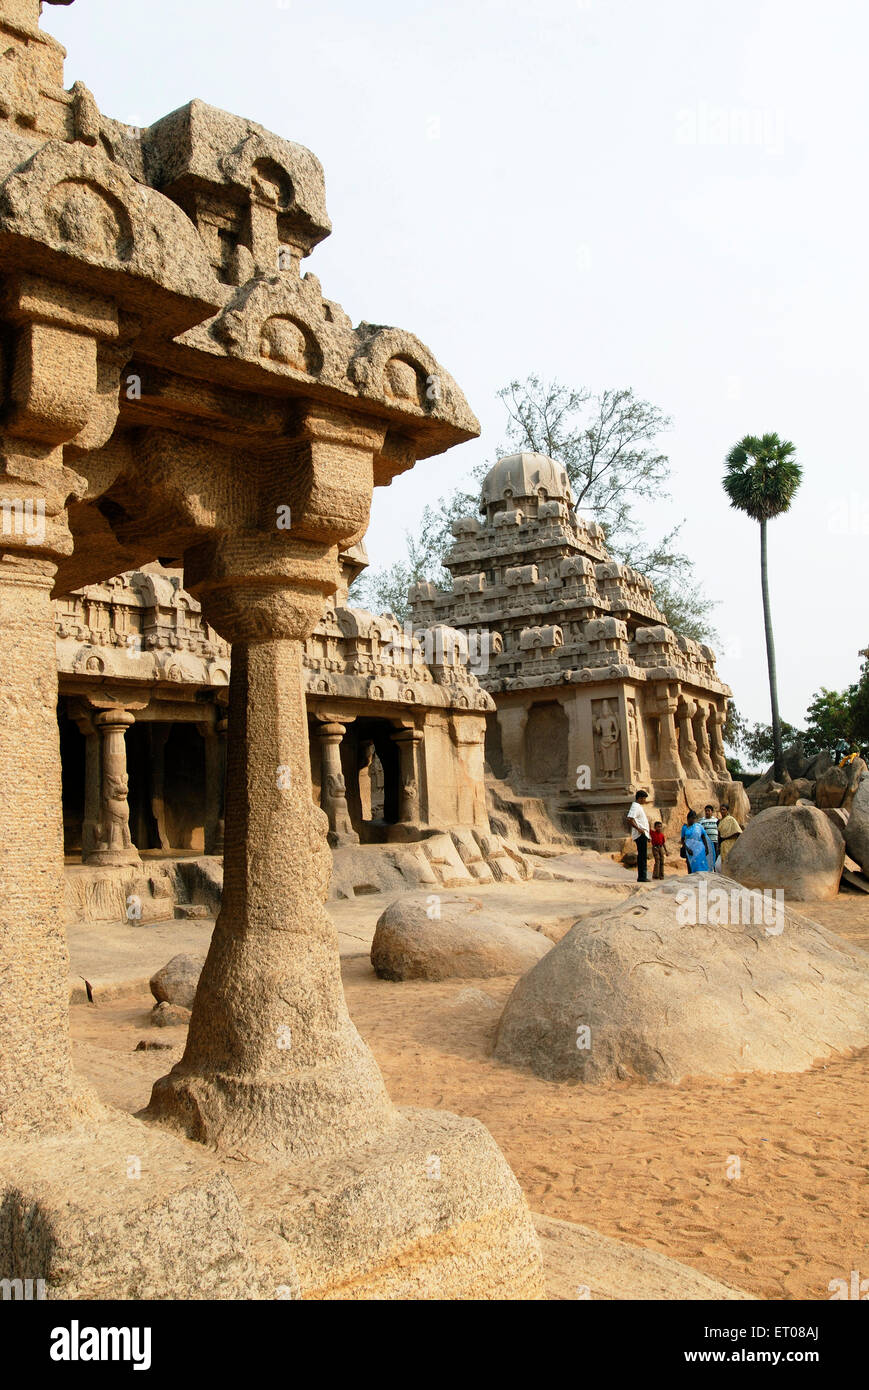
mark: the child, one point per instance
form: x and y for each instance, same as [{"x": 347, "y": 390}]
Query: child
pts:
[{"x": 658, "y": 849}]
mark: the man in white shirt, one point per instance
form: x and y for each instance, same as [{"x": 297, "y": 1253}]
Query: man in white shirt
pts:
[{"x": 639, "y": 823}]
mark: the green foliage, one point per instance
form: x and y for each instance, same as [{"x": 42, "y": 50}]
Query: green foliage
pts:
[
  {"x": 761, "y": 476},
  {"x": 830, "y": 720}
]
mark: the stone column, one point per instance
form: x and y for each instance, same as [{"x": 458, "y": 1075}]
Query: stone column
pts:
[
  {"x": 333, "y": 788},
  {"x": 668, "y": 757},
  {"x": 215, "y": 751},
  {"x": 701, "y": 737},
  {"x": 408, "y": 825},
  {"x": 90, "y": 827},
  {"x": 36, "y": 1083},
  {"x": 115, "y": 845},
  {"x": 687, "y": 747},
  {"x": 273, "y": 1064},
  {"x": 717, "y": 719}
]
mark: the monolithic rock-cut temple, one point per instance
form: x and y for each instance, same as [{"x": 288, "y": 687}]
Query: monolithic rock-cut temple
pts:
[
  {"x": 595, "y": 694},
  {"x": 396, "y": 742},
  {"x": 176, "y": 391}
]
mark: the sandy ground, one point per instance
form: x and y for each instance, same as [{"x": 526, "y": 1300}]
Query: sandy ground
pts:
[{"x": 644, "y": 1164}]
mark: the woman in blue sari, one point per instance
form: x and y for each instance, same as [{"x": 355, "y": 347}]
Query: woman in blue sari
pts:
[{"x": 695, "y": 843}]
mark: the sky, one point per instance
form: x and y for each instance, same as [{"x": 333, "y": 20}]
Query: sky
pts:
[{"x": 609, "y": 193}]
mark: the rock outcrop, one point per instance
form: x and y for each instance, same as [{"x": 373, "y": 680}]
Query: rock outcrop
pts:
[
  {"x": 794, "y": 848},
  {"x": 176, "y": 982},
  {"x": 857, "y": 829},
  {"x": 438, "y": 936},
  {"x": 687, "y": 979}
]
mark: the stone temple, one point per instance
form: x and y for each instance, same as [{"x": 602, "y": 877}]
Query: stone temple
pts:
[
  {"x": 595, "y": 695},
  {"x": 176, "y": 391}
]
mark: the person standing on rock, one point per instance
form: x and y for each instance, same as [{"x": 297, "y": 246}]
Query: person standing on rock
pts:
[
  {"x": 639, "y": 823},
  {"x": 729, "y": 831},
  {"x": 696, "y": 848}
]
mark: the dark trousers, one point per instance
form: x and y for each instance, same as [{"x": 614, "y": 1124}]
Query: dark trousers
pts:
[
  {"x": 658, "y": 856},
  {"x": 642, "y": 843}
]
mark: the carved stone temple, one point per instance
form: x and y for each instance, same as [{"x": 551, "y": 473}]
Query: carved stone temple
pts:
[
  {"x": 395, "y": 724},
  {"x": 596, "y": 696},
  {"x": 176, "y": 391}
]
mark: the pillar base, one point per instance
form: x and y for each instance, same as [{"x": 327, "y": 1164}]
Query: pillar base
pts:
[
  {"x": 337, "y": 838},
  {"x": 108, "y": 858},
  {"x": 431, "y": 1211}
]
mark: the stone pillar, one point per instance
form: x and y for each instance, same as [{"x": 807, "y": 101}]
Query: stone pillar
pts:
[
  {"x": 687, "y": 746},
  {"x": 158, "y": 737},
  {"x": 273, "y": 1064},
  {"x": 115, "y": 845},
  {"x": 93, "y": 781},
  {"x": 701, "y": 737},
  {"x": 37, "y": 1089},
  {"x": 669, "y": 765},
  {"x": 513, "y": 719},
  {"x": 333, "y": 788},
  {"x": 717, "y": 719},
  {"x": 408, "y": 825},
  {"x": 215, "y": 771}
]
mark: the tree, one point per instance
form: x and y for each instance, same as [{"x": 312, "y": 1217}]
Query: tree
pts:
[
  {"x": 761, "y": 480},
  {"x": 830, "y": 720}
]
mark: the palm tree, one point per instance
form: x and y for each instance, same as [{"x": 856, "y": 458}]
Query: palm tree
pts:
[{"x": 761, "y": 480}]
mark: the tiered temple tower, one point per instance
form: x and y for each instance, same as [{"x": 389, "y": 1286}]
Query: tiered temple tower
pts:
[{"x": 595, "y": 694}]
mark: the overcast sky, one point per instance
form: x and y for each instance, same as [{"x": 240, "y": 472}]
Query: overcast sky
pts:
[{"x": 667, "y": 196}]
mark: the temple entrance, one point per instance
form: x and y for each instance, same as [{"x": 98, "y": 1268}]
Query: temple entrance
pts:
[
  {"x": 370, "y": 760},
  {"x": 546, "y": 736}
]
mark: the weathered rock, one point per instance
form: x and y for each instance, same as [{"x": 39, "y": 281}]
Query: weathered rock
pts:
[
  {"x": 794, "y": 848},
  {"x": 176, "y": 982},
  {"x": 857, "y": 828},
  {"x": 663, "y": 998},
  {"x": 837, "y": 818},
  {"x": 734, "y": 796},
  {"x": 166, "y": 1015},
  {"x": 855, "y": 772},
  {"x": 792, "y": 792},
  {"x": 764, "y": 793},
  {"x": 437, "y": 936},
  {"x": 818, "y": 765},
  {"x": 831, "y": 787}
]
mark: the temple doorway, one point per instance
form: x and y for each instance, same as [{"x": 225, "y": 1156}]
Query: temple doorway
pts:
[{"x": 546, "y": 735}]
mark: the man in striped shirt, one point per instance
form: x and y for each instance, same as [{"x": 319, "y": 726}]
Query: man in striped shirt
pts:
[{"x": 710, "y": 825}]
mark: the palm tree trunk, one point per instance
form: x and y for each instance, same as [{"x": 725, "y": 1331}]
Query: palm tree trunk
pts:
[{"x": 778, "y": 752}]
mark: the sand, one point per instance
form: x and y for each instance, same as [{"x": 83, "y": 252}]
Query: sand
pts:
[{"x": 643, "y": 1164}]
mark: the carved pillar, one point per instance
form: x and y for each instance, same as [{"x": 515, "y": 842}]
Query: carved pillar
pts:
[
  {"x": 333, "y": 788},
  {"x": 668, "y": 756},
  {"x": 701, "y": 737},
  {"x": 36, "y": 1083},
  {"x": 687, "y": 747},
  {"x": 215, "y": 745},
  {"x": 407, "y": 741},
  {"x": 717, "y": 719},
  {"x": 158, "y": 736},
  {"x": 115, "y": 845},
  {"x": 273, "y": 1064},
  {"x": 218, "y": 840},
  {"x": 90, "y": 826}
]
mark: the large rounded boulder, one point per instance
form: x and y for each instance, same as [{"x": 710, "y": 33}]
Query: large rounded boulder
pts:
[
  {"x": 794, "y": 848},
  {"x": 177, "y": 981},
  {"x": 694, "y": 977},
  {"x": 438, "y": 936}
]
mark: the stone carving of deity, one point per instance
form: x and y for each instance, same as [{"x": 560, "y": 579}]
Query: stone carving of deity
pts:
[{"x": 608, "y": 735}]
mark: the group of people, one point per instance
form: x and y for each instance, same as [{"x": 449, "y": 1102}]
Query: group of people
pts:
[{"x": 705, "y": 842}]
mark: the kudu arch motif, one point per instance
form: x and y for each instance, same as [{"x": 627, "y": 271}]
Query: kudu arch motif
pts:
[{"x": 170, "y": 257}]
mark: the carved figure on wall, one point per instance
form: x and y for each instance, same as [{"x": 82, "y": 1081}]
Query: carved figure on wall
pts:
[{"x": 608, "y": 738}]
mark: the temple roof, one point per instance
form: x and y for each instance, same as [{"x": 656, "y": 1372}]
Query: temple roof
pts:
[{"x": 525, "y": 475}]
